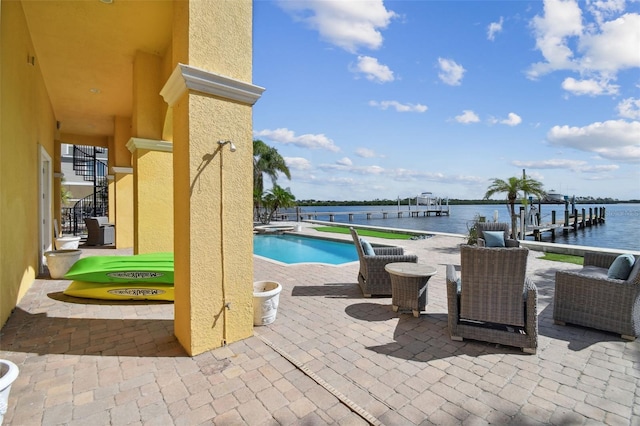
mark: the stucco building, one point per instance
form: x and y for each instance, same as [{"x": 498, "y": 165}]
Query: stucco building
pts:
[{"x": 158, "y": 84}]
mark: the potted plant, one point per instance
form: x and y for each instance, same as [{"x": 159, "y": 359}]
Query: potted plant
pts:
[
  {"x": 8, "y": 374},
  {"x": 472, "y": 236},
  {"x": 70, "y": 242},
  {"x": 266, "y": 297},
  {"x": 60, "y": 261}
]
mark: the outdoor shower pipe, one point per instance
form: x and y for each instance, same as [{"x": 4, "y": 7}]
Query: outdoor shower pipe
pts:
[{"x": 227, "y": 305}]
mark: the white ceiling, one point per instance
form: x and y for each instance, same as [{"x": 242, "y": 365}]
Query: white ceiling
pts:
[{"x": 85, "y": 49}]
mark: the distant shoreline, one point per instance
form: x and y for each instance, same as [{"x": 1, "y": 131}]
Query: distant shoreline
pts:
[
  {"x": 451, "y": 202},
  {"x": 621, "y": 231}
]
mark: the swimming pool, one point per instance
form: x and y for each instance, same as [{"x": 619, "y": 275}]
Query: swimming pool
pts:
[{"x": 290, "y": 249}]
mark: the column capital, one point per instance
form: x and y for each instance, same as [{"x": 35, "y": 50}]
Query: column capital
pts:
[
  {"x": 149, "y": 144},
  {"x": 187, "y": 78},
  {"x": 122, "y": 170}
]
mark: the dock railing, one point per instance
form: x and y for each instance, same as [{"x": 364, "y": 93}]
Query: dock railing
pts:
[{"x": 572, "y": 221}]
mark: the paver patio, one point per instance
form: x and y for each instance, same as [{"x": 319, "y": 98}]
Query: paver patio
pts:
[{"x": 331, "y": 357}]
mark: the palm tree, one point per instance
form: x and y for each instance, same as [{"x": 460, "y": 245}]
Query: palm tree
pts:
[
  {"x": 266, "y": 160},
  {"x": 276, "y": 198},
  {"x": 512, "y": 187}
]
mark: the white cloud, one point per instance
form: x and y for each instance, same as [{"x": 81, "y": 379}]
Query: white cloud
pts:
[
  {"x": 358, "y": 170},
  {"x": 370, "y": 170},
  {"x": 450, "y": 72},
  {"x": 399, "y": 174},
  {"x": 601, "y": 9},
  {"x": 614, "y": 139},
  {"x": 512, "y": 119},
  {"x": 339, "y": 181},
  {"x": 629, "y": 108},
  {"x": 372, "y": 69},
  {"x": 383, "y": 105},
  {"x": 600, "y": 48},
  {"x": 494, "y": 28},
  {"x": 288, "y": 137},
  {"x": 297, "y": 163},
  {"x": 589, "y": 87},
  {"x": 562, "y": 19},
  {"x": 349, "y": 25},
  {"x": 551, "y": 164},
  {"x": 614, "y": 48},
  {"x": 564, "y": 164},
  {"x": 366, "y": 153},
  {"x": 600, "y": 168},
  {"x": 467, "y": 117},
  {"x": 345, "y": 161}
]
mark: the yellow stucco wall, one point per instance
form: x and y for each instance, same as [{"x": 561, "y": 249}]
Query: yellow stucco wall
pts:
[
  {"x": 153, "y": 176},
  {"x": 153, "y": 183},
  {"x": 122, "y": 200},
  {"x": 147, "y": 103},
  {"x": 27, "y": 121},
  {"x": 213, "y": 186},
  {"x": 90, "y": 140}
]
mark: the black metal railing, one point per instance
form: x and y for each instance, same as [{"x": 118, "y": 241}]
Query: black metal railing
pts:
[
  {"x": 96, "y": 204},
  {"x": 87, "y": 165}
]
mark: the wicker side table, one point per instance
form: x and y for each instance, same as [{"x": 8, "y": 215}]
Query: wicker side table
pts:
[{"x": 409, "y": 285}]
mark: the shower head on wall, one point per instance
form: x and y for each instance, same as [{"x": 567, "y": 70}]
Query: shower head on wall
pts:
[{"x": 232, "y": 147}]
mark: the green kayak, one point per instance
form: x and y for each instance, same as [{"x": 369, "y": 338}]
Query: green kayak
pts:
[{"x": 143, "y": 268}]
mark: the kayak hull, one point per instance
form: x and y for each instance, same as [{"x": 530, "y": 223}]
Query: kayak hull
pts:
[
  {"x": 142, "y": 268},
  {"x": 121, "y": 291}
]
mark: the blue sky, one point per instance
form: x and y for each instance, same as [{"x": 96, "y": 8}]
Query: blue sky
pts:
[{"x": 372, "y": 99}]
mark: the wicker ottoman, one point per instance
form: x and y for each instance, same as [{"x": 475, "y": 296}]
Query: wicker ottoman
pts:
[{"x": 409, "y": 285}]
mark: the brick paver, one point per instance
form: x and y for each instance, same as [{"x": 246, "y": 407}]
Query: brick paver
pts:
[{"x": 331, "y": 357}]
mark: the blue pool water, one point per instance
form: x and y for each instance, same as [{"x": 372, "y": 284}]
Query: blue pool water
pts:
[{"x": 290, "y": 249}]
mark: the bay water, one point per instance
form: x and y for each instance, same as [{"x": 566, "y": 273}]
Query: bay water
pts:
[{"x": 621, "y": 229}]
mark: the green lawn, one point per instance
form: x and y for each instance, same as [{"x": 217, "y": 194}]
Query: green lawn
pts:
[
  {"x": 567, "y": 258},
  {"x": 365, "y": 232}
]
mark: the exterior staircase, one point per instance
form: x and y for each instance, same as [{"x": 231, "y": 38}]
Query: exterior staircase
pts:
[{"x": 87, "y": 165}]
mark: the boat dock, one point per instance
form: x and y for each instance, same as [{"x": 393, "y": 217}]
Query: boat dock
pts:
[
  {"x": 572, "y": 221},
  {"x": 426, "y": 205},
  {"x": 421, "y": 211}
]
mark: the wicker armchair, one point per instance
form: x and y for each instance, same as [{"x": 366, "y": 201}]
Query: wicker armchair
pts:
[
  {"x": 495, "y": 226},
  {"x": 493, "y": 300},
  {"x": 100, "y": 231},
  {"x": 588, "y": 298},
  {"x": 372, "y": 277}
]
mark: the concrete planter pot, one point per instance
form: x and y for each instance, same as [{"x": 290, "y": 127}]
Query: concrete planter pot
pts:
[
  {"x": 266, "y": 296},
  {"x": 8, "y": 374},
  {"x": 67, "y": 243},
  {"x": 60, "y": 261}
]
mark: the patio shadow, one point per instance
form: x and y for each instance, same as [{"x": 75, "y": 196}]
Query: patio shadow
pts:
[
  {"x": 420, "y": 339},
  {"x": 332, "y": 290},
  {"x": 61, "y": 297},
  {"x": 371, "y": 312},
  {"x": 447, "y": 250},
  {"x": 427, "y": 338},
  {"x": 577, "y": 336},
  {"x": 38, "y": 333}
]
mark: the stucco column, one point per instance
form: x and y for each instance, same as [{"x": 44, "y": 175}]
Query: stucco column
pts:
[
  {"x": 121, "y": 187},
  {"x": 212, "y": 100},
  {"x": 152, "y": 195},
  {"x": 147, "y": 103},
  {"x": 151, "y": 160}
]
